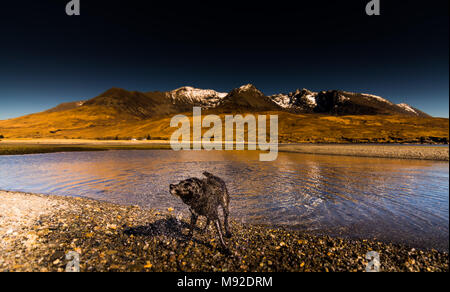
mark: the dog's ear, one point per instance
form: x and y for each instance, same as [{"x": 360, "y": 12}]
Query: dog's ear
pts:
[{"x": 207, "y": 174}]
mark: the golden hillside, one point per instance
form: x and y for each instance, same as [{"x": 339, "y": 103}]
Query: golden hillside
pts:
[{"x": 99, "y": 122}]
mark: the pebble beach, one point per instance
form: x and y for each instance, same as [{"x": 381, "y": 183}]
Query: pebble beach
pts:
[{"x": 37, "y": 231}]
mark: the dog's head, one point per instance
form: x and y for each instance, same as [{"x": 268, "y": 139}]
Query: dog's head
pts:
[{"x": 182, "y": 190}]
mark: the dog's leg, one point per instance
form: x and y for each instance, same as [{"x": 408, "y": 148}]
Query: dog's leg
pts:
[
  {"x": 219, "y": 231},
  {"x": 207, "y": 225},
  {"x": 194, "y": 218},
  {"x": 226, "y": 214}
]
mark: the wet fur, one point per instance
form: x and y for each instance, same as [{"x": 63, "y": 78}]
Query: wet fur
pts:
[{"x": 204, "y": 197}]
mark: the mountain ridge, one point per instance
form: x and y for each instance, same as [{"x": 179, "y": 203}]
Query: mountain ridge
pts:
[
  {"x": 339, "y": 102},
  {"x": 246, "y": 98}
]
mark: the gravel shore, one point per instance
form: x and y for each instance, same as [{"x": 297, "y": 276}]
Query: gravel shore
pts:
[
  {"x": 37, "y": 232},
  {"x": 437, "y": 153},
  {"x": 424, "y": 152}
]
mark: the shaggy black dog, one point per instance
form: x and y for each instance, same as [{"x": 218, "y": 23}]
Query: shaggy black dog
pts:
[{"x": 204, "y": 196}]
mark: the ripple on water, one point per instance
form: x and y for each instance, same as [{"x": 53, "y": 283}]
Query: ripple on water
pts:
[{"x": 396, "y": 200}]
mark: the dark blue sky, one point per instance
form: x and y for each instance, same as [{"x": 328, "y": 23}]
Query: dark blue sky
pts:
[{"x": 47, "y": 57}]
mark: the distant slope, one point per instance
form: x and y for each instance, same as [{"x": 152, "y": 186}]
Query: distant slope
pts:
[
  {"x": 413, "y": 110},
  {"x": 65, "y": 106},
  {"x": 138, "y": 104}
]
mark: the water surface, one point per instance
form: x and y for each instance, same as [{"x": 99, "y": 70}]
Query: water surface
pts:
[{"x": 392, "y": 200}]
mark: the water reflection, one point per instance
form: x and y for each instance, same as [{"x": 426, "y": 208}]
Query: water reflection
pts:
[{"x": 396, "y": 200}]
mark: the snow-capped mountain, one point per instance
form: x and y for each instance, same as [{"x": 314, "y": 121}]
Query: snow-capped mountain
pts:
[
  {"x": 246, "y": 98},
  {"x": 201, "y": 97},
  {"x": 341, "y": 103}
]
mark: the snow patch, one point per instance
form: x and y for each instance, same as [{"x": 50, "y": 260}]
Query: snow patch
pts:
[
  {"x": 379, "y": 98},
  {"x": 207, "y": 97},
  {"x": 311, "y": 99},
  {"x": 407, "y": 108},
  {"x": 282, "y": 100},
  {"x": 307, "y": 98},
  {"x": 246, "y": 87}
]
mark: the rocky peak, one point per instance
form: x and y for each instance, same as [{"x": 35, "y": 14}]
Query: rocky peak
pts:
[
  {"x": 249, "y": 88},
  {"x": 206, "y": 98},
  {"x": 115, "y": 92}
]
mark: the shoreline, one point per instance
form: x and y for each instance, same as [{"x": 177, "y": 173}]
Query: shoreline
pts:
[
  {"x": 425, "y": 152},
  {"x": 401, "y": 151},
  {"x": 37, "y": 231}
]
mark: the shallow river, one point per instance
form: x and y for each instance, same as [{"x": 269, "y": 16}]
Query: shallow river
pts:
[{"x": 403, "y": 201}]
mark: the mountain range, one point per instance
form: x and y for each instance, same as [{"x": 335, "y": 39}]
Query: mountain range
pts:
[
  {"x": 246, "y": 98},
  {"x": 305, "y": 116}
]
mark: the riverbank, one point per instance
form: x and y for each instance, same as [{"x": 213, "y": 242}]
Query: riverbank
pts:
[
  {"x": 37, "y": 231},
  {"x": 425, "y": 152},
  {"x": 21, "y": 147}
]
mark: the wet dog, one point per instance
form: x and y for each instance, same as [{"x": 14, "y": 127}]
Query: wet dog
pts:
[{"x": 204, "y": 197}]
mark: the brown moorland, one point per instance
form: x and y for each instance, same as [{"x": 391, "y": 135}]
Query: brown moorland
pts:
[{"x": 101, "y": 123}]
